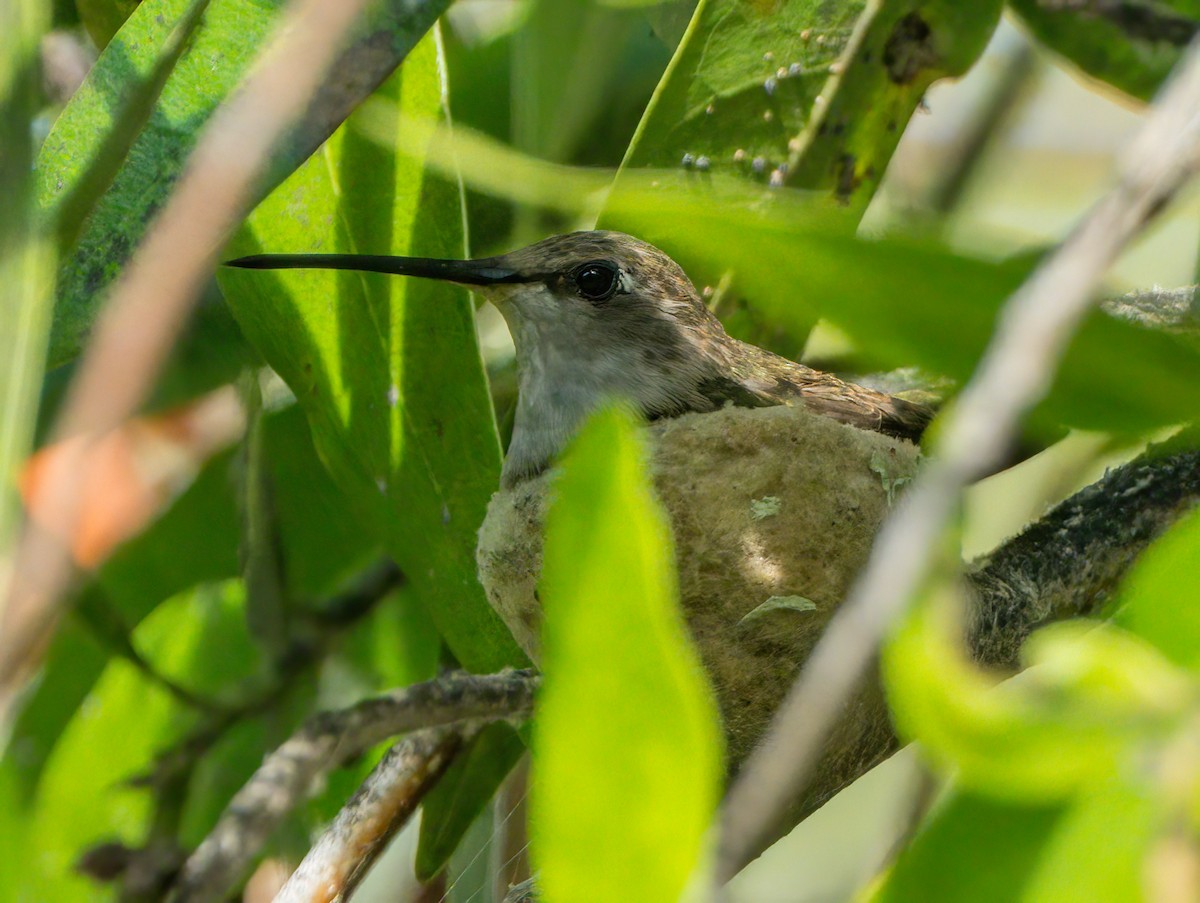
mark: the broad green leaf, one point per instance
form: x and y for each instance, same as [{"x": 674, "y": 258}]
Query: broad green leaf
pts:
[
  {"x": 1093, "y": 699},
  {"x": 971, "y": 849},
  {"x": 224, "y": 46},
  {"x": 1159, "y": 598},
  {"x": 462, "y": 794},
  {"x": 794, "y": 262},
  {"x": 805, "y": 92},
  {"x": 1130, "y": 45},
  {"x": 981, "y": 850},
  {"x": 743, "y": 78},
  {"x": 626, "y": 765},
  {"x": 899, "y": 49},
  {"x": 566, "y": 59},
  {"x": 1100, "y": 847},
  {"x": 386, "y": 369}
]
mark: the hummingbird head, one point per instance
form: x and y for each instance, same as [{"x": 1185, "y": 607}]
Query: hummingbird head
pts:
[{"x": 593, "y": 315}]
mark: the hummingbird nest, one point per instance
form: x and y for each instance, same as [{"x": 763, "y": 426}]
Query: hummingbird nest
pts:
[{"x": 773, "y": 511}]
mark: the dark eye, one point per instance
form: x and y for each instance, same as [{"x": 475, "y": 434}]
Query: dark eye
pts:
[{"x": 596, "y": 281}]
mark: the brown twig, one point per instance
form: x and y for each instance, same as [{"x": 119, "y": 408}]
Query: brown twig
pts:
[
  {"x": 325, "y": 742},
  {"x": 382, "y": 805},
  {"x": 1035, "y": 326},
  {"x": 150, "y": 303}
]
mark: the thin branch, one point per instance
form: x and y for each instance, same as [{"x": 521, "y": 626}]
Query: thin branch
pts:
[
  {"x": 1067, "y": 563},
  {"x": 1035, "y": 327},
  {"x": 324, "y": 743},
  {"x": 1170, "y": 309},
  {"x": 381, "y": 807},
  {"x": 151, "y": 301}
]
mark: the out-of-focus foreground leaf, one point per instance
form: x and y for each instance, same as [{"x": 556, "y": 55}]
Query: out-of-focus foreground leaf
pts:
[
  {"x": 1131, "y": 45},
  {"x": 219, "y": 55},
  {"x": 85, "y": 797},
  {"x": 979, "y": 850},
  {"x": 626, "y": 746},
  {"x": 795, "y": 263},
  {"x": 1093, "y": 698},
  {"x": 1160, "y": 596},
  {"x": 26, "y": 262},
  {"x": 1068, "y": 778},
  {"x": 387, "y": 369}
]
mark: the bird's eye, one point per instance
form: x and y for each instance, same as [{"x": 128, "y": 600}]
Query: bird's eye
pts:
[{"x": 596, "y": 281}]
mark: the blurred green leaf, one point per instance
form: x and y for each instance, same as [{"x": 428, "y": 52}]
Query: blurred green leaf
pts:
[
  {"x": 980, "y": 850},
  {"x": 794, "y": 261},
  {"x": 103, "y": 18},
  {"x": 462, "y": 793},
  {"x": 566, "y": 58},
  {"x": 1100, "y": 847},
  {"x": 1131, "y": 45},
  {"x": 1093, "y": 697},
  {"x": 971, "y": 849},
  {"x": 626, "y": 742},
  {"x": 387, "y": 370},
  {"x": 26, "y": 257},
  {"x": 137, "y": 104},
  {"x": 1159, "y": 598}
]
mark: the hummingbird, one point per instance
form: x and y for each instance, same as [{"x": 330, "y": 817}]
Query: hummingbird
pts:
[{"x": 599, "y": 315}]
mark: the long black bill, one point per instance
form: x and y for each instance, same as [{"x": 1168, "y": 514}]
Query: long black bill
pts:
[{"x": 487, "y": 271}]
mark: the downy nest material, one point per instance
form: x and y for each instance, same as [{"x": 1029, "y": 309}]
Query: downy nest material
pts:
[{"x": 773, "y": 512}]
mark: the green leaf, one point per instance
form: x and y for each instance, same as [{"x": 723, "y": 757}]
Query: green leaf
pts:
[
  {"x": 1131, "y": 45},
  {"x": 818, "y": 93},
  {"x": 462, "y": 794},
  {"x": 899, "y": 49},
  {"x": 980, "y": 850},
  {"x": 387, "y": 370},
  {"x": 793, "y": 604},
  {"x": 794, "y": 261},
  {"x": 713, "y": 99},
  {"x": 26, "y": 257},
  {"x": 1100, "y": 847},
  {"x": 1159, "y": 598},
  {"x": 971, "y": 849},
  {"x": 221, "y": 51},
  {"x": 627, "y": 758},
  {"x": 1093, "y": 698},
  {"x": 224, "y": 46}
]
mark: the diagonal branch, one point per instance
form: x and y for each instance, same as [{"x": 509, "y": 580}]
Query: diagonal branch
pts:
[
  {"x": 381, "y": 807},
  {"x": 1035, "y": 327},
  {"x": 324, "y": 743}
]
